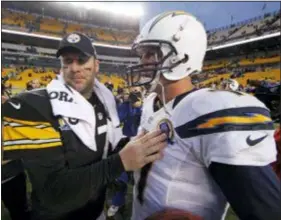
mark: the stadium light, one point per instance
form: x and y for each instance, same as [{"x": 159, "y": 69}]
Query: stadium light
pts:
[
  {"x": 132, "y": 9},
  {"x": 59, "y": 38},
  {"x": 129, "y": 48},
  {"x": 243, "y": 41}
]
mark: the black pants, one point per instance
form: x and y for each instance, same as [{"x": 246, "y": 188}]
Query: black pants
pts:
[
  {"x": 14, "y": 197},
  {"x": 90, "y": 211}
]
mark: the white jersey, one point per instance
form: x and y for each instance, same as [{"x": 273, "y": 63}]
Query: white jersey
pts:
[{"x": 205, "y": 126}]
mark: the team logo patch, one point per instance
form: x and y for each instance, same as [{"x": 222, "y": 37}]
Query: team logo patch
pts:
[
  {"x": 73, "y": 38},
  {"x": 166, "y": 126}
]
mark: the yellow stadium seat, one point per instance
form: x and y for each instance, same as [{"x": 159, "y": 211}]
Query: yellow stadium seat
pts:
[
  {"x": 73, "y": 28},
  {"x": 51, "y": 25},
  {"x": 269, "y": 74},
  {"x": 16, "y": 18},
  {"x": 245, "y": 62},
  {"x": 24, "y": 77},
  {"x": 272, "y": 74}
]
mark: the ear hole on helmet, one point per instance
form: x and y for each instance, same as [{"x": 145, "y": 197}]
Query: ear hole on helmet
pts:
[
  {"x": 185, "y": 59},
  {"x": 176, "y": 37}
]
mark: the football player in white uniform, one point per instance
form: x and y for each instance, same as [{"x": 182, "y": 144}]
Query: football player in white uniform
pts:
[{"x": 220, "y": 142}]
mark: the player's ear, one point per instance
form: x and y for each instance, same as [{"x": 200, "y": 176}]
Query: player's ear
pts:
[{"x": 96, "y": 65}]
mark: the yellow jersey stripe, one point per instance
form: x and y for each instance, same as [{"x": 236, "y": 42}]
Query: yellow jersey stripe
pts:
[
  {"x": 13, "y": 124},
  {"x": 17, "y": 133},
  {"x": 26, "y": 135},
  {"x": 259, "y": 118},
  {"x": 8, "y": 120},
  {"x": 32, "y": 146},
  {"x": 28, "y": 141}
]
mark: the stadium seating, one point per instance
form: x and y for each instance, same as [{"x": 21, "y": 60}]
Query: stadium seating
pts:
[
  {"x": 123, "y": 37},
  {"x": 245, "y": 62},
  {"x": 252, "y": 27},
  {"x": 16, "y": 19},
  {"x": 116, "y": 80},
  {"x": 258, "y": 66},
  {"x": 56, "y": 27},
  {"x": 71, "y": 27},
  {"x": 217, "y": 64},
  {"x": 104, "y": 34},
  {"x": 22, "y": 78},
  {"x": 221, "y": 34},
  {"x": 270, "y": 75},
  {"x": 51, "y": 25}
]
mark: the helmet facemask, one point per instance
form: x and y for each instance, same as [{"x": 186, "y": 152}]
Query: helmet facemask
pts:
[{"x": 155, "y": 55}]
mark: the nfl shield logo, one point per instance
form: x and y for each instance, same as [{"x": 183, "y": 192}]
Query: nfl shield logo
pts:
[{"x": 100, "y": 116}]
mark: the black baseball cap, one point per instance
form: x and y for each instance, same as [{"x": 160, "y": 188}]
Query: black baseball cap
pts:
[{"x": 78, "y": 41}]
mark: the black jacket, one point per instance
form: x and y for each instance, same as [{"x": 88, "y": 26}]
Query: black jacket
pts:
[{"x": 65, "y": 174}]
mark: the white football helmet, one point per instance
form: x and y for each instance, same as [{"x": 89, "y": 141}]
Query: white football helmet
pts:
[{"x": 181, "y": 41}]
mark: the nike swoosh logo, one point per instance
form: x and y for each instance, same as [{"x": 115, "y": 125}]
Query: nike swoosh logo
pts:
[
  {"x": 16, "y": 106},
  {"x": 251, "y": 142}
]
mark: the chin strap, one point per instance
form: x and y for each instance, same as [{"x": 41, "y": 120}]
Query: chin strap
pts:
[
  {"x": 154, "y": 83},
  {"x": 164, "y": 98},
  {"x": 153, "y": 86}
]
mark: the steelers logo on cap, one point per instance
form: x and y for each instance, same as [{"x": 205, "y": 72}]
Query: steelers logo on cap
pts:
[{"x": 73, "y": 38}]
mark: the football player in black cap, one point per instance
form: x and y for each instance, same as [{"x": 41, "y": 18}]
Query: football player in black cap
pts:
[{"x": 68, "y": 178}]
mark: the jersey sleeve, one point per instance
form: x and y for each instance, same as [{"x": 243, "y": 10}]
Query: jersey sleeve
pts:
[
  {"x": 252, "y": 191},
  {"x": 236, "y": 134},
  {"x": 26, "y": 134}
]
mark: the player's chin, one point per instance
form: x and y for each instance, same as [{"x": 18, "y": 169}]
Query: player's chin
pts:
[
  {"x": 173, "y": 214},
  {"x": 79, "y": 86}
]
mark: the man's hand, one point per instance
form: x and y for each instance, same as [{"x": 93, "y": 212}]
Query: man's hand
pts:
[{"x": 144, "y": 149}]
